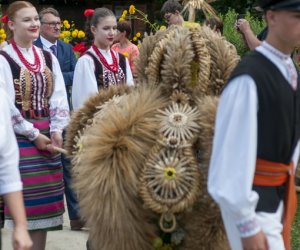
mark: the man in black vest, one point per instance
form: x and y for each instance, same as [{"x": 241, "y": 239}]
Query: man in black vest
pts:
[{"x": 256, "y": 143}]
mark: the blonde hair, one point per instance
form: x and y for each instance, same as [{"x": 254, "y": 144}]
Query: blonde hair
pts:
[{"x": 11, "y": 12}]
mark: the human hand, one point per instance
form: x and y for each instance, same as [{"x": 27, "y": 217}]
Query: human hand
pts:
[
  {"x": 42, "y": 142},
  {"x": 255, "y": 242},
  {"x": 242, "y": 25},
  {"x": 21, "y": 239},
  {"x": 56, "y": 139}
]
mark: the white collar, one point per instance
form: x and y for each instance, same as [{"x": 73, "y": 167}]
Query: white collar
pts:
[{"x": 46, "y": 43}]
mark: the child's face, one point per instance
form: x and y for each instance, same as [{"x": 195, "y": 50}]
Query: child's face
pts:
[
  {"x": 105, "y": 32},
  {"x": 171, "y": 18}
]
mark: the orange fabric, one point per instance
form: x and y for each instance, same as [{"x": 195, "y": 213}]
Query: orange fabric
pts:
[{"x": 269, "y": 173}]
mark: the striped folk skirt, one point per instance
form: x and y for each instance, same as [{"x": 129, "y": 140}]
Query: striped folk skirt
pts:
[{"x": 43, "y": 186}]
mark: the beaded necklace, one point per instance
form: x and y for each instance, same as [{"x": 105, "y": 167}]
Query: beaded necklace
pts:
[
  {"x": 112, "y": 67},
  {"x": 36, "y": 66}
]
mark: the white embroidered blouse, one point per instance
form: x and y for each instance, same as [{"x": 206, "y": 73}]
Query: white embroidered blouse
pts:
[{"x": 58, "y": 103}]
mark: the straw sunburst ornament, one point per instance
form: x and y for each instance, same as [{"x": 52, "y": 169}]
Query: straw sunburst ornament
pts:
[
  {"x": 179, "y": 121},
  {"x": 170, "y": 180}
]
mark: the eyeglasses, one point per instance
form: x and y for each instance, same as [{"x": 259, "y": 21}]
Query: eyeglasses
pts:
[
  {"x": 168, "y": 16},
  {"x": 52, "y": 24}
]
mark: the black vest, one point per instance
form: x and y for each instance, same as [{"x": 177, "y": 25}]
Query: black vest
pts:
[
  {"x": 278, "y": 119},
  {"x": 99, "y": 69}
]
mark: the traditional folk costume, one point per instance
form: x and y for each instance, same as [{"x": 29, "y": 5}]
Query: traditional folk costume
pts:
[
  {"x": 9, "y": 156},
  {"x": 98, "y": 69},
  {"x": 257, "y": 139},
  {"x": 34, "y": 82}
]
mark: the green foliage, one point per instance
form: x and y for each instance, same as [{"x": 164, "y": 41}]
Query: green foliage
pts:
[
  {"x": 241, "y": 6},
  {"x": 296, "y": 228},
  {"x": 234, "y": 37}
]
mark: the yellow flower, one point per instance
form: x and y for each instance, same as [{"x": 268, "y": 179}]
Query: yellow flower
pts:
[
  {"x": 65, "y": 22},
  {"x": 67, "y": 26},
  {"x": 125, "y": 54},
  {"x": 139, "y": 45},
  {"x": 66, "y": 40},
  {"x": 138, "y": 34},
  {"x": 121, "y": 19},
  {"x": 124, "y": 12},
  {"x": 3, "y": 36},
  {"x": 2, "y": 31},
  {"x": 170, "y": 173},
  {"x": 61, "y": 35},
  {"x": 163, "y": 27},
  {"x": 74, "y": 34},
  {"x": 81, "y": 34},
  {"x": 131, "y": 9},
  {"x": 134, "y": 38},
  {"x": 67, "y": 33}
]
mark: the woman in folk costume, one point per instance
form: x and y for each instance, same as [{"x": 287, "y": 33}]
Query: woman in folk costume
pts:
[
  {"x": 34, "y": 82},
  {"x": 100, "y": 67}
]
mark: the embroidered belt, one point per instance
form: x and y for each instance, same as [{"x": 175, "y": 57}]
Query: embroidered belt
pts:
[{"x": 273, "y": 174}]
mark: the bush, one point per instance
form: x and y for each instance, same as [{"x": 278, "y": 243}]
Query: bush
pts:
[{"x": 234, "y": 37}]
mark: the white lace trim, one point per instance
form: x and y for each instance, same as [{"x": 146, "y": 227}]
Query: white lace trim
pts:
[{"x": 38, "y": 224}]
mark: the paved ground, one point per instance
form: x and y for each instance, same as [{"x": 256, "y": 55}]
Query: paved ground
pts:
[{"x": 59, "y": 240}]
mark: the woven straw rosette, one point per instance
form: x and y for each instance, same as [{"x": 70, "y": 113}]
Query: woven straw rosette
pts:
[{"x": 140, "y": 156}]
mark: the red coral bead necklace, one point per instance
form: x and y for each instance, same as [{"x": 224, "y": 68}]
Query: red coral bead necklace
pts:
[
  {"x": 36, "y": 66},
  {"x": 112, "y": 67}
]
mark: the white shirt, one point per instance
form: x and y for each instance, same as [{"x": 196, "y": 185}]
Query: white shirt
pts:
[
  {"x": 47, "y": 44},
  {"x": 84, "y": 81},
  {"x": 233, "y": 159},
  {"x": 57, "y": 102},
  {"x": 10, "y": 180}
]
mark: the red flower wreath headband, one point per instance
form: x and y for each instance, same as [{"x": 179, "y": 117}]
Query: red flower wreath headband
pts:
[{"x": 88, "y": 12}]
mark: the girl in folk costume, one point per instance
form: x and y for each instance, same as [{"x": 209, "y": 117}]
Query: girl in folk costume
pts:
[
  {"x": 34, "y": 82},
  {"x": 100, "y": 67}
]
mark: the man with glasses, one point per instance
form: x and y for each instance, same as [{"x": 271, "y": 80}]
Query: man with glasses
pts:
[{"x": 48, "y": 40}]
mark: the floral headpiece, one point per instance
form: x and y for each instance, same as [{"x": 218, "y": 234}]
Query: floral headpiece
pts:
[
  {"x": 4, "y": 19},
  {"x": 88, "y": 12}
]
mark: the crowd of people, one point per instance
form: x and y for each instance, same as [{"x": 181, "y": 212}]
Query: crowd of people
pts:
[{"x": 256, "y": 133}]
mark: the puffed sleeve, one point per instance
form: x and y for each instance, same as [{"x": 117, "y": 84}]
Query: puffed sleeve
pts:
[
  {"x": 129, "y": 77},
  {"x": 59, "y": 107},
  {"x": 10, "y": 180},
  {"x": 84, "y": 81}
]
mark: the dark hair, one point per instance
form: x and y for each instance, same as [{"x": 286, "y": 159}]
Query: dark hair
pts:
[
  {"x": 215, "y": 23},
  {"x": 124, "y": 26},
  {"x": 52, "y": 11},
  {"x": 11, "y": 11},
  {"x": 171, "y": 6},
  {"x": 94, "y": 20}
]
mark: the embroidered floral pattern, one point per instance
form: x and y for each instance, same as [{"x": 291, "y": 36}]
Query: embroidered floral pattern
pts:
[
  {"x": 59, "y": 112},
  {"x": 33, "y": 134},
  {"x": 17, "y": 119},
  {"x": 109, "y": 78},
  {"x": 247, "y": 227}
]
